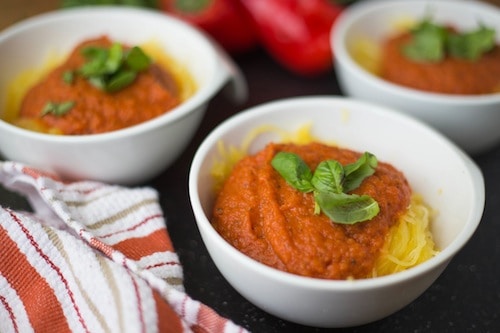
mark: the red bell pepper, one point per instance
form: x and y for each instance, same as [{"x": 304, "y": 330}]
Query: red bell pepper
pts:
[
  {"x": 225, "y": 20},
  {"x": 296, "y": 32}
]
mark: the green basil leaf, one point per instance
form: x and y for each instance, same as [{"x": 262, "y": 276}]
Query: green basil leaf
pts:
[
  {"x": 427, "y": 42},
  {"x": 57, "y": 109},
  {"x": 347, "y": 208},
  {"x": 68, "y": 77},
  {"x": 137, "y": 60},
  {"x": 96, "y": 61},
  {"x": 426, "y": 46},
  {"x": 356, "y": 172},
  {"x": 120, "y": 80},
  {"x": 328, "y": 177},
  {"x": 294, "y": 170},
  {"x": 97, "y": 81},
  {"x": 114, "y": 58},
  {"x": 471, "y": 45}
]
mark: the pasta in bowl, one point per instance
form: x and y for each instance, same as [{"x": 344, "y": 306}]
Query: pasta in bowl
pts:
[{"x": 400, "y": 144}]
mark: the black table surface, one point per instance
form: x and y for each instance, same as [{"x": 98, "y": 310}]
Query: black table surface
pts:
[{"x": 465, "y": 298}]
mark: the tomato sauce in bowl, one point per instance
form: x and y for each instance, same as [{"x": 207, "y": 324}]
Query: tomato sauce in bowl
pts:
[
  {"x": 448, "y": 76},
  {"x": 154, "y": 92},
  {"x": 259, "y": 214}
]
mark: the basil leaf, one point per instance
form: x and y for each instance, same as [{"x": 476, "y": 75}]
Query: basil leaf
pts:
[
  {"x": 98, "y": 82},
  {"x": 137, "y": 60},
  {"x": 57, "y": 109},
  {"x": 96, "y": 61},
  {"x": 473, "y": 44},
  {"x": 294, "y": 170},
  {"x": 114, "y": 58},
  {"x": 427, "y": 42},
  {"x": 120, "y": 80},
  {"x": 347, "y": 208},
  {"x": 68, "y": 77},
  {"x": 425, "y": 47},
  {"x": 328, "y": 177},
  {"x": 356, "y": 172}
]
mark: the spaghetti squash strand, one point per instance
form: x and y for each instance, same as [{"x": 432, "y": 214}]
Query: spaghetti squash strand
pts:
[{"x": 409, "y": 242}]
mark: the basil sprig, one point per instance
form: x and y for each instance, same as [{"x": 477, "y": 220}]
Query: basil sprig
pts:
[
  {"x": 432, "y": 42},
  {"x": 110, "y": 68},
  {"x": 330, "y": 184}
]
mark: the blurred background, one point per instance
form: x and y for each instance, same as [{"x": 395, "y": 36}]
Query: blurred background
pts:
[
  {"x": 15, "y": 10},
  {"x": 12, "y": 11}
]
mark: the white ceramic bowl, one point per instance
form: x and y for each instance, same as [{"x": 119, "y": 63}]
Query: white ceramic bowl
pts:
[
  {"x": 130, "y": 155},
  {"x": 471, "y": 121},
  {"x": 447, "y": 178}
]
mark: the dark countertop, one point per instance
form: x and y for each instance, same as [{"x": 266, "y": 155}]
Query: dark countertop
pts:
[{"x": 466, "y": 298}]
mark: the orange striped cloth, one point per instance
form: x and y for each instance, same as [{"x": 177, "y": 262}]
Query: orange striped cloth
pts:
[{"x": 91, "y": 257}]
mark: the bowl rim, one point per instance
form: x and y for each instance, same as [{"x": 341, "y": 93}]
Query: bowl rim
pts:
[
  {"x": 360, "y": 10},
  {"x": 442, "y": 258},
  {"x": 201, "y": 96}
]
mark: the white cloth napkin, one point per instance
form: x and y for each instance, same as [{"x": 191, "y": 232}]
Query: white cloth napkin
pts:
[{"x": 92, "y": 257}]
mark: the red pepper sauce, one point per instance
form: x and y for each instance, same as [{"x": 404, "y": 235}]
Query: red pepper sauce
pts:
[
  {"x": 449, "y": 76},
  {"x": 153, "y": 93},
  {"x": 265, "y": 218}
]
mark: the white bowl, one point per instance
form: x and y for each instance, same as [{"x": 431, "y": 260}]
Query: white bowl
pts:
[
  {"x": 133, "y": 154},
  {"x": 471, "y": 121},
  {"x": 447, "y": 178}
]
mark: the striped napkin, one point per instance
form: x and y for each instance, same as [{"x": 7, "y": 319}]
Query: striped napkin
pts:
[{"x": 91, "y": 257}]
